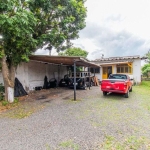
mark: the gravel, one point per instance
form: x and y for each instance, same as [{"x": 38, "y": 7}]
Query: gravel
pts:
[{"x": 84, "y": 124}]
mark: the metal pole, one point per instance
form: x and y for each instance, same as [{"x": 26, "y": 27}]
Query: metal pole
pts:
[
  {"x": 58, "y": 78},
  {"x": 89, "y": 78},
  {"x": 74, "y": 80}
]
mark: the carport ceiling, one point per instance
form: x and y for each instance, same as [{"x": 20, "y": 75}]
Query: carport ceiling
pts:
[{"x": 63, "y": 60}]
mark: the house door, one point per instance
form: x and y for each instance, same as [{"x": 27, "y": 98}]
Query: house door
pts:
[{"x": 106, "y": 72}]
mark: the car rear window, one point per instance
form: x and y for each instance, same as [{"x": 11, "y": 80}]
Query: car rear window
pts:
[{"x": 117, "y": 76}]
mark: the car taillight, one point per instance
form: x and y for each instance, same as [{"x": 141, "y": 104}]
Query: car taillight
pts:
[{"x": 125, "y": 83}]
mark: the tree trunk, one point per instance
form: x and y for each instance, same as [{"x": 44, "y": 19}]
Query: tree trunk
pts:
[{"x": 8, "y": 77}]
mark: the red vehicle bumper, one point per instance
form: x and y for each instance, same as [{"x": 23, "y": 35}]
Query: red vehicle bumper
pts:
[{"x": 114, "y": 91}]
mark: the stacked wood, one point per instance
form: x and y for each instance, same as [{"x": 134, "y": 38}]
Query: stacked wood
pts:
[{"x": 96, "y": 82}]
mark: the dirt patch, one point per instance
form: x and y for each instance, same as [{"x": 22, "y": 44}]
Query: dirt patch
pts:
[
  {"x": 44, "y": 94},
  {"x": 35, "y": 100},
  {"x": 5, "y": 107}
]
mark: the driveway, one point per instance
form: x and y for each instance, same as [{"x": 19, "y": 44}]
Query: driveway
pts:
[{"x": 93, "y": 122}]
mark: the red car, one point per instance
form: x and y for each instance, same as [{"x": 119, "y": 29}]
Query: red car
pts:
[{"x": 117, "y": 83}]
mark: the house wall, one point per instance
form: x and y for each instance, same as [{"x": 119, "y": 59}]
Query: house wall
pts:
[
  {"x": 136, "y": 71},
  {"x": 32, "y": 74},
  {"x": 98, "y": 75},
  {"x": 114, "y": 69}
]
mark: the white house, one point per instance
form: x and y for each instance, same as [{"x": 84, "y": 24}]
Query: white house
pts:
[{"x": 130, "y": 65}]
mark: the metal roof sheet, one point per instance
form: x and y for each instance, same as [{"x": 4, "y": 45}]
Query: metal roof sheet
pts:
[
  {"x": 63, "y": 60},
  {"x": 118, "y": 58}
]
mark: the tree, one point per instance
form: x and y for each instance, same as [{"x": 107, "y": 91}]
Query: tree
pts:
[
  {"x": 26, "y": 25},
  {"x": 146, "y": 70},
  {"x": 148, "y": 56},
  {"x": 74, "y": 52}
]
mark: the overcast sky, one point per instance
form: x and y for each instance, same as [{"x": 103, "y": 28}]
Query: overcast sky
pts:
[{"x": 116, "y": 28}]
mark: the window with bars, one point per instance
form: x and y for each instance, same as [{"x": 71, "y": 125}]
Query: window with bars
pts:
[
  {"x": 97, "y": 70},
  {"x": 124, "y": 68}
]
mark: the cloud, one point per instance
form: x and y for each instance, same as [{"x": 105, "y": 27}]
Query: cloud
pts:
[
  {"x": 100, "y": 40},
  {"x": 115, "y": 28}
]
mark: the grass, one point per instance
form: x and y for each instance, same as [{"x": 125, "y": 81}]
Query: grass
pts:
[
  {"x": 23, "y": 111},
  {"x": 129, "y": 143},
  {"x": 143, "y": 90},
  {"x": 73, "y": 101},
  {"x": 145, "y": 84},
  {"x": 4, "y": 105},
  {"x": 47, "y": 147},
  {"x": 95, "y": 124},
  {"x": 69, "y": 144},
  {"x": 20, "y": 113}
]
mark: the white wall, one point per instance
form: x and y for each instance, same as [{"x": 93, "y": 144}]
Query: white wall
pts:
[
  {"x": 22, "y": 75},
  {"x": 37, "y": 71},
  {"x": 32, "y": 74},
  {"x": 137, "y": 70},
  {"x": 36, "y": 74},
  {"x": 1, "y": 78},
  {"x": 98, "y": 75}
]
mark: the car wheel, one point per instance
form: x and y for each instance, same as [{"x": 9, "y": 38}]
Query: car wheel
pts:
[
  {"x": 126, "y": 94},
  {"x": 130, "y": 89},
  {"x": 91, "y": 84},
  {"x": 104, "y": 93}
]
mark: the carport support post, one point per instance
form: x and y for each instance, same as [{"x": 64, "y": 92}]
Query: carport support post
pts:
[
  {"x": 74, "y": 80},
  {"x": 89, "y": 78}
]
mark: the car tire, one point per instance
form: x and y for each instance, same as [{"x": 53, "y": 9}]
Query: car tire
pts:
[
  {"x": 104, "y": 93},
  {"x": 126, "y": 94},
  {"x": 91, "y": 84},
  {"x": 85, "y": 87},
  {"x": 130, "y": 89}
]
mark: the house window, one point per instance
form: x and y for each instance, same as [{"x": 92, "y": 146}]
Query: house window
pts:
[
  {"x": 97, "y": 70},
  {"x": 124, "y": 68},
  {"x": 118, "y": 70}
]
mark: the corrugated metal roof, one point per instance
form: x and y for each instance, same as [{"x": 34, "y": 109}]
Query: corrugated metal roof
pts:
[
  {"x": 112, "y": 63},
  {"x": 118, "y": 58},
  {"x": 63, "y": 60}
]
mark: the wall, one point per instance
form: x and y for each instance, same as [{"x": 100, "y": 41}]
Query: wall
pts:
[
  {"x": 36, "y": 74},
  {"x": 1, "y": 78},
  {"x": 32, "y": 74},
  {"x": 98, "y": 75},
  {"x": 137, "y": 70},
  {"x": 22, "y": 75},
  {"x": 37, "y": 71}
]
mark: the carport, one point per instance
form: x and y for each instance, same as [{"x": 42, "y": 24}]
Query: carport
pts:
[{"x": 66, "y": 61}]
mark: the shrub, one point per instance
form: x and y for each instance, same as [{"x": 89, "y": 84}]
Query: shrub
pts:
[{"x": 4, "y": 103}]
